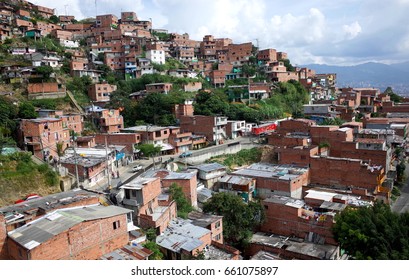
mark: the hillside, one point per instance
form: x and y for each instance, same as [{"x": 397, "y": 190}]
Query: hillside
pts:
[
  {"x": 370, "y": 74},
  {"x": 20, "y": 176}
]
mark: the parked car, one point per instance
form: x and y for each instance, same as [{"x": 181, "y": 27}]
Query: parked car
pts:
[
  {"x": 185, "y": 154},
  {"x": 136, "y": 168},
  {"x": 27, "y": 198}
]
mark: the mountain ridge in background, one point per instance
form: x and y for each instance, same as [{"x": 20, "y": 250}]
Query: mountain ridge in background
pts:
[{"x": 370, "y": 74}]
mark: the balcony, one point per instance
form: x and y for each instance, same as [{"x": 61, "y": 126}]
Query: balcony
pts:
[
  {"x": 130, "y": 202},
  {"x": 221, "y": 121}
]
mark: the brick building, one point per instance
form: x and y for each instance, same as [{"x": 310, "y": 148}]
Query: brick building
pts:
[
  {"x": 295, "y": 125},
  {"x": 17, "y": 215},
  {"x": 239, "y": 53},
  {"x": 150, "y": 134},
  {"x": 159, "y": 88},
  {"x": 186, "y": 180},
  {"x": 242, "y": 186},
  {"x": 141, "y": 195},
  {"x": 100, "y": 93},
  {"x": 129, "y": 140},
  {"x": 182, "y": 240},
  {"x": 291, "y": 217},
  {"x": 45, "y": 89},
  {"x": 210, "y": 173},
  {"x": 286, "y": 180},
  {"x": 266, "y": 56},
  {"x": 348, "y": 173},
  {"x": 75, "y": 233},
  {"x": 41, "y": 136},
  {"x": 265, "y": 246},
  {"x": 107, "y": 120},
  {"x": 182, "y": 141},
  {"x": 211, "y": 222},
  {"x": 90, "y": 170},
  {"x": 106, "y": 21},
  {"x": 213, "y": 127}
]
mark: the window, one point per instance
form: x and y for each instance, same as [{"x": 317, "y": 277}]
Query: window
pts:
[
  {"x": 217, "y": 237},
  {"x": 116, "y": 225},
  {"x": 218, "y": 224},
  {"x": 265, "y": 206}
]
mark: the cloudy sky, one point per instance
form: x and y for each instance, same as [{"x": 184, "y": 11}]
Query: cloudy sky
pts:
[{"x": 343, "y": 32}]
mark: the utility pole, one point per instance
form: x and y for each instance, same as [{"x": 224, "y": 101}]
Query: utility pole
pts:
[
  {"x": 76, "y": 161},
  {"x": 107, "y": 159}
]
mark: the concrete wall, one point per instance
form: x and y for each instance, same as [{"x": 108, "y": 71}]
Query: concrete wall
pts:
[{"x": 205, "y": 154}]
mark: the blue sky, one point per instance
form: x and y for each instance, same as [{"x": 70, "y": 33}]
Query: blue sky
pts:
[{"x": 345, "y": 32}]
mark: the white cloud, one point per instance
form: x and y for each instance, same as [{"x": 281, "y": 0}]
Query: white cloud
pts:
[{"x": 352, "y": 30}]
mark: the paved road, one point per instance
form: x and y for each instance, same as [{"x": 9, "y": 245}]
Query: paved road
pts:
[
  {"x": 401, "y": 205},
  {"x": 125, "y": 173}
]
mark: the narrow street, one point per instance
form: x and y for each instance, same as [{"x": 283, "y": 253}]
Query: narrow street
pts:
[
  {"x": 126, "y": 174},
  {"x": 401, "y": 205}
]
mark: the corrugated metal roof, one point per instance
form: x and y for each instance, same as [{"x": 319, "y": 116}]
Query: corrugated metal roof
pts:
[
  {"x": 208, "y": 167},
  {"x": 236, "y": 180},
  {"x": 281, "y": 172},
  {"x": 44, "y": 228},
  {"x": 181, "y": 234}
]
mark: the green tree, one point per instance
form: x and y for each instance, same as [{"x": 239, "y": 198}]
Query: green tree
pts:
[
  {"x": 149, "y": 150},
  {"x": 156, "y": 253},
  {"x": 26, "y": 110},
  {"x": 373, "y": 232},
  {"x": 45, "y": 71},
  {"x": 249, "y": 70},
  {"x": 239, "y": 219},
  {"x": 393, "y": 96},
  {"x": 54, "y": 19},
  {"x": 183, "y": 205}
]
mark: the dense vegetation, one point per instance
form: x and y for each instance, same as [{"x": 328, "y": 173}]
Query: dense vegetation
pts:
[
  {"x": 239, "y": 219},
  {"x": 20, "y": 176},
  {"x": 243, "y": 157},
  {"x": 182, "y": 204},
  {"x": 373, "y": 233}
]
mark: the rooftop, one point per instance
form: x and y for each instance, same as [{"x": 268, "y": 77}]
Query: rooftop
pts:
[
  {"x": 203, "y": 220},
  {"x": 48, "y": 203},
  {"x": 266, "y": 170},
  {"x": 144, "y": 128},
  {"x": 209, "y": 167},
  {"x": 82, "y": 161},
  {"x": 236, "y": 180},
  {"x": 181, "y": 234},
  {"x": 318, "y": 251},
  {"x": 39, "y": 231},
  {"x": 284, "y": 200},
  {"x": 138, "y": 183},
  {"x": 128, "y": 253}
]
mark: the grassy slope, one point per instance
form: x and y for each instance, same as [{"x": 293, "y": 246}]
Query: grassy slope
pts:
[{"x": 17, "y": 180}]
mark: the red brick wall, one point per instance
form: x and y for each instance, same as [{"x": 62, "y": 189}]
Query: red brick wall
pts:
[
  {"x": 280, "y": 140},
  {"x": 43, "y": 87},
  {"x": 3, "y": 238},
  {"x": 289, "y": 126},
  {"x": 145, "y": 221},
  {"x": 342, "y": 172},
  {"x": 125, "y": 139},
  {"x": 216, "y": 231},
  {"x": 198, "y": 125},
  {"x": 87, "y": 241},
  {"x": 296, "y": 156},
  {"x": 188, "y": 188},
  {"x": 285, "y": 220}
]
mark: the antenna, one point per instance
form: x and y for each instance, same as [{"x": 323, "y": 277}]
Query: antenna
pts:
[
  {"x": 65, "y": 6},
  {"x": 96, "y": 11}
]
